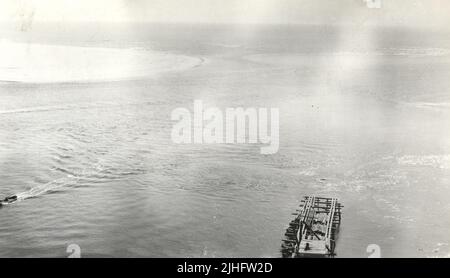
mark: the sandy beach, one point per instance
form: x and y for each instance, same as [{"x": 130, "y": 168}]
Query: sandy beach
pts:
[{"x": 40, "y": 63}]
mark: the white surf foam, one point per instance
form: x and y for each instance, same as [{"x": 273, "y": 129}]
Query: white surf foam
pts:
[{"x": 436, "y": 161}]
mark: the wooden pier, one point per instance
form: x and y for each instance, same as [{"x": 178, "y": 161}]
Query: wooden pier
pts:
[{"x": 314, "y": 230}]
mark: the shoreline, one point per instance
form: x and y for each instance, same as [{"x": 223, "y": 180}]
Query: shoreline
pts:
[{"x": 34, "y": 63}]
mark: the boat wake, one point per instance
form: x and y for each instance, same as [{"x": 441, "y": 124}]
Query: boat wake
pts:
[
  {"x": 40, "y": 190},
  {"x": 45, "y": 188},
  {"x": 87, "y": 176}
]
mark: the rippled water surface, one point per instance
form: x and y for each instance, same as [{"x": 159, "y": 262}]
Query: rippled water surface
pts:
[{"x": 367, "y": 122}]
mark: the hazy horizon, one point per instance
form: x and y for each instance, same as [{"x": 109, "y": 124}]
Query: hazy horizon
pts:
[{"x": 320, "y": 12}]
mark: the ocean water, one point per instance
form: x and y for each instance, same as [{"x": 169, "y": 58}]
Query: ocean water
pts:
[{"x": 364, "y": 116}]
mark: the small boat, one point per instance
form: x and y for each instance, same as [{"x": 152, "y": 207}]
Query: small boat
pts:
[
  {"x": 314, "y": 230},
  {"x": 8, "y": 200}
]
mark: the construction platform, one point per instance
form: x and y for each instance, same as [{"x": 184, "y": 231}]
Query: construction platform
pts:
[{"x": 313, "y": 232}]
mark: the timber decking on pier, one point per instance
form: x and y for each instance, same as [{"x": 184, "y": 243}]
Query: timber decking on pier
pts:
[{"x": 314, "y": 230}]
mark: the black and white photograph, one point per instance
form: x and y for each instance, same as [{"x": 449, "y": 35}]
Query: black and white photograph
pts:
[{"x": 214, "y": 129}]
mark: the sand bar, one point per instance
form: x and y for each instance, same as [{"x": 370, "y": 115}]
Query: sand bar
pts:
[{"x": 39, "y": 63}]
